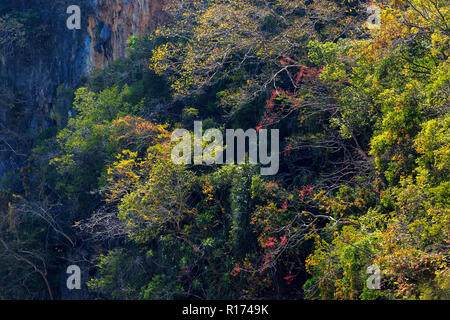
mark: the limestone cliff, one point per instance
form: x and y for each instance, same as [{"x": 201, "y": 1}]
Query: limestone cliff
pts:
[
  {"x": 53, "y": 61},
  {"x": 115, "y": 21}
]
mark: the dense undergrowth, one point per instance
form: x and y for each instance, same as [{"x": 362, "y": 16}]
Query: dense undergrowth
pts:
[{"x": 364, "y": 162}]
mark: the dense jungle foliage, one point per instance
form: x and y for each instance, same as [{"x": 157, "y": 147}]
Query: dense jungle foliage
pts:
[{"x": 364, "y": 118}]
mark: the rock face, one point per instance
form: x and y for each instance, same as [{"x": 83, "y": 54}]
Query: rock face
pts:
[
  {"x": 59, "y": 60},
  {"x": 33, "y": 72},
  {"x": 115, "y": 21}
]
